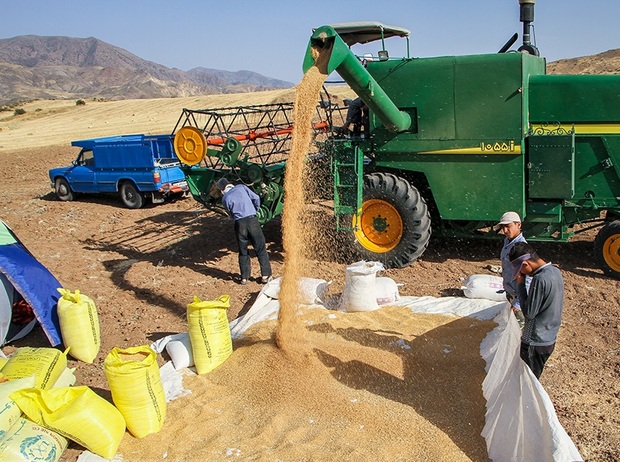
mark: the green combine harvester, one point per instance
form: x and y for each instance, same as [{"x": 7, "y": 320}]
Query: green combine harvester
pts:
[{"x": 453, "y": 142}]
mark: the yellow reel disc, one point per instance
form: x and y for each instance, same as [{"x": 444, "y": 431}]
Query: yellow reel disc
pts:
[{"x": 190, "y": 145}]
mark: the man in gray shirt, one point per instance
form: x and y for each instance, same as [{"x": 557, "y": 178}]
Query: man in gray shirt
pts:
[{"x": 542, "y": 306}]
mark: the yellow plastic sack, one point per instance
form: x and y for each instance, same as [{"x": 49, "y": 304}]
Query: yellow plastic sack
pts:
[
  {"x": 209, "y": 332},
  {"x": 77, "y": 413},
  {"x": 137, "y": 391},
  {"x": 46, "y": 364},
  {"x": 28, "y": 442},
  {"x": 9, "y": 411},
  {"x": 79, "y": 325},
  {"x": 3, "y": 361}
]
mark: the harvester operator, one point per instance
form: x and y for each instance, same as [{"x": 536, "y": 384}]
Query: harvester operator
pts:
[
  {"x": 357, "y": 116},
  {"x": 242, "y": 203}
]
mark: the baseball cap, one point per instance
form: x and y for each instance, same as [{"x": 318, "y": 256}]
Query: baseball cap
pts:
[
  {"x": 517, "y": 262},
  {"x": 507, "y": 218}
]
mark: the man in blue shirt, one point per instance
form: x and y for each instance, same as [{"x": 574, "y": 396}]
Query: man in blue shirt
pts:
[
  {"x": 242, "y": 203},
  {"x": 510, "y": 226}
]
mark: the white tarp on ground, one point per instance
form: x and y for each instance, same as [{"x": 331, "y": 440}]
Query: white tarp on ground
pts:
[{"x": 520, "y": 423}]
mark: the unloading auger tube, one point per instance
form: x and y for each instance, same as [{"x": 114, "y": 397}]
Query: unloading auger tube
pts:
[{"x": 341, "y": 59}]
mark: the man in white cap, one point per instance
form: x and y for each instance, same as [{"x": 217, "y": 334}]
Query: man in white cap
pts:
[
  {"x": 242, "y": 203},
  {"x": 510, "y": 225}
]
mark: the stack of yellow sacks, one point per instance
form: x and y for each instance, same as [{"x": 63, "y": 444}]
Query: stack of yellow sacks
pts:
[{"x": 41, "y": 409}]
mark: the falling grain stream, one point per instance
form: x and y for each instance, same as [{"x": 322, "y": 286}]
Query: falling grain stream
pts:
[{"x": 288, "y": 332}]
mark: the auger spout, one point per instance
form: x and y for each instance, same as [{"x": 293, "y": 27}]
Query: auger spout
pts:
[{"x": 341, "y": 59}]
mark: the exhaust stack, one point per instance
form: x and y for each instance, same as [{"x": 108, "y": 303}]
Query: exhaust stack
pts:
[{"x": 526, "y": 16}]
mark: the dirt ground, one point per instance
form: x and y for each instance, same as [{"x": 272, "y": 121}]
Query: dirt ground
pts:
[{"x": 142, "y": 267}]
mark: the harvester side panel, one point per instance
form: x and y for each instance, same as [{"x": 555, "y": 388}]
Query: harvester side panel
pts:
[
  {"x": 425, "y": 88},
  {"x": 470, "y": 118},
  {"x": 579, "y": 99},
  {"x": 589, "y": 106}
]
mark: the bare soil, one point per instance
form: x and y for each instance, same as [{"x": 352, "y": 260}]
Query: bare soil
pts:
[{"x": 142, "y": 267}]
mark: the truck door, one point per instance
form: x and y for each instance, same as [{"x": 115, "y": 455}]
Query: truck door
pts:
[{"x": 82, "y": 176}]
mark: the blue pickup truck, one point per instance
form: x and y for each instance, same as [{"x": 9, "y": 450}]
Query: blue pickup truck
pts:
[{"x": 138, "y": 167}]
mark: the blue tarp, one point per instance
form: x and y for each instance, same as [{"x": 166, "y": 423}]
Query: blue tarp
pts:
[{"x": 33, "y": 281}]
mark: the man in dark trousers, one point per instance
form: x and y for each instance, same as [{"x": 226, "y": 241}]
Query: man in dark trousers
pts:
[
  {"x": 542, "y": 306},
  {"x": 357, "y": 116},
  {"x": 242, "y": 203}
]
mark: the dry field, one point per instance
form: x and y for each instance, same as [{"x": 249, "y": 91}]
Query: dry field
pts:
[{"x": 143, "y": 266}]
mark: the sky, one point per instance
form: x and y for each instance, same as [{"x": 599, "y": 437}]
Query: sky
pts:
[{"x": 270, "y": 36}]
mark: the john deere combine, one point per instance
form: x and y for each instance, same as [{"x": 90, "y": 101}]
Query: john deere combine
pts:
[{"x": 453, "y": 142}]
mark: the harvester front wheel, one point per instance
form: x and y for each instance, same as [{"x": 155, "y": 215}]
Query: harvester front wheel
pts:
[
  {"x": 131, "y": 197},
  {"x": 394, "y": 226},
  {"x": 607, "y": 249},
  {"x": 63, "y": 190}
]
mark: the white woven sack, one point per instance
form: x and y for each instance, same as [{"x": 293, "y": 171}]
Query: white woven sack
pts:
[
  {"x": 386, "y": 290},
  {"x": 180, "y": 352},
  {"x": 484, "y": 286},
  {"x": 312, "y": 291},
  {"x": 360, "y": 287}
]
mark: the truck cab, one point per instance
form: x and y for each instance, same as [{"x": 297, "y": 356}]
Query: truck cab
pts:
[{"x": 136, "y": 167}]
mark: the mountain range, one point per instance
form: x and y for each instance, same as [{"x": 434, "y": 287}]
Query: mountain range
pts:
[{"x": 36, "y": 67}]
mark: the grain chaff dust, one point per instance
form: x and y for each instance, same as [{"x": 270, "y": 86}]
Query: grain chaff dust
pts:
[{"x": 288, "y": 332}]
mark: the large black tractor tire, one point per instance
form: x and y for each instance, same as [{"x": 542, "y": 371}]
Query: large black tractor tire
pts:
[
  {"x": 607, "y": 249},
  {"x": 63, "y": 190},
  {"x": 395, "y": 225},
  {"x": 131, "y": 197}
]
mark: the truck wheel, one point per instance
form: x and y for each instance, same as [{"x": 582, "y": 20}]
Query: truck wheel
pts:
[
  {"x": 132, "y": 198},
  {"x": 63, "y": 190},
  {"x": 395, "y": 226},
  {"x": 607, "y": 249}
]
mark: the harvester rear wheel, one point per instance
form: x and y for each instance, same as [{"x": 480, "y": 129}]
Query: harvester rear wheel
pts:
[
  {"x": 395, "y": 226},
  {"x": 607, "y": 249}
]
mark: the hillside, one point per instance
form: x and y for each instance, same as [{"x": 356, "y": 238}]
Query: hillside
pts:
[
  {"x": 602, "y": 63},
  {"x": 35, "y": 67},
  {"x": 44, "y": 68},
  {"x": 58, "y": 122}
]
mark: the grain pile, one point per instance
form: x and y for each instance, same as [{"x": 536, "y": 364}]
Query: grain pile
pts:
[{"x": 388, "y": 385}]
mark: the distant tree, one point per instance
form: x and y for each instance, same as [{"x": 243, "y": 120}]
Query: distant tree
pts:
[
  {"x": 80, "y": 102},
  {"x": 19, "y": 111}
]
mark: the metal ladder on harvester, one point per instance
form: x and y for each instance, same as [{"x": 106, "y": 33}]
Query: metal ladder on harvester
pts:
[{"x": 347, "y": 169}]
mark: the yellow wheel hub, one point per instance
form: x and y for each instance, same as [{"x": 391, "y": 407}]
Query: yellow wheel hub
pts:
[
  {"x": 190, "y": 145},
  {"x": 611, "y": 252},
  {"x": 380, "y": 226}
]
